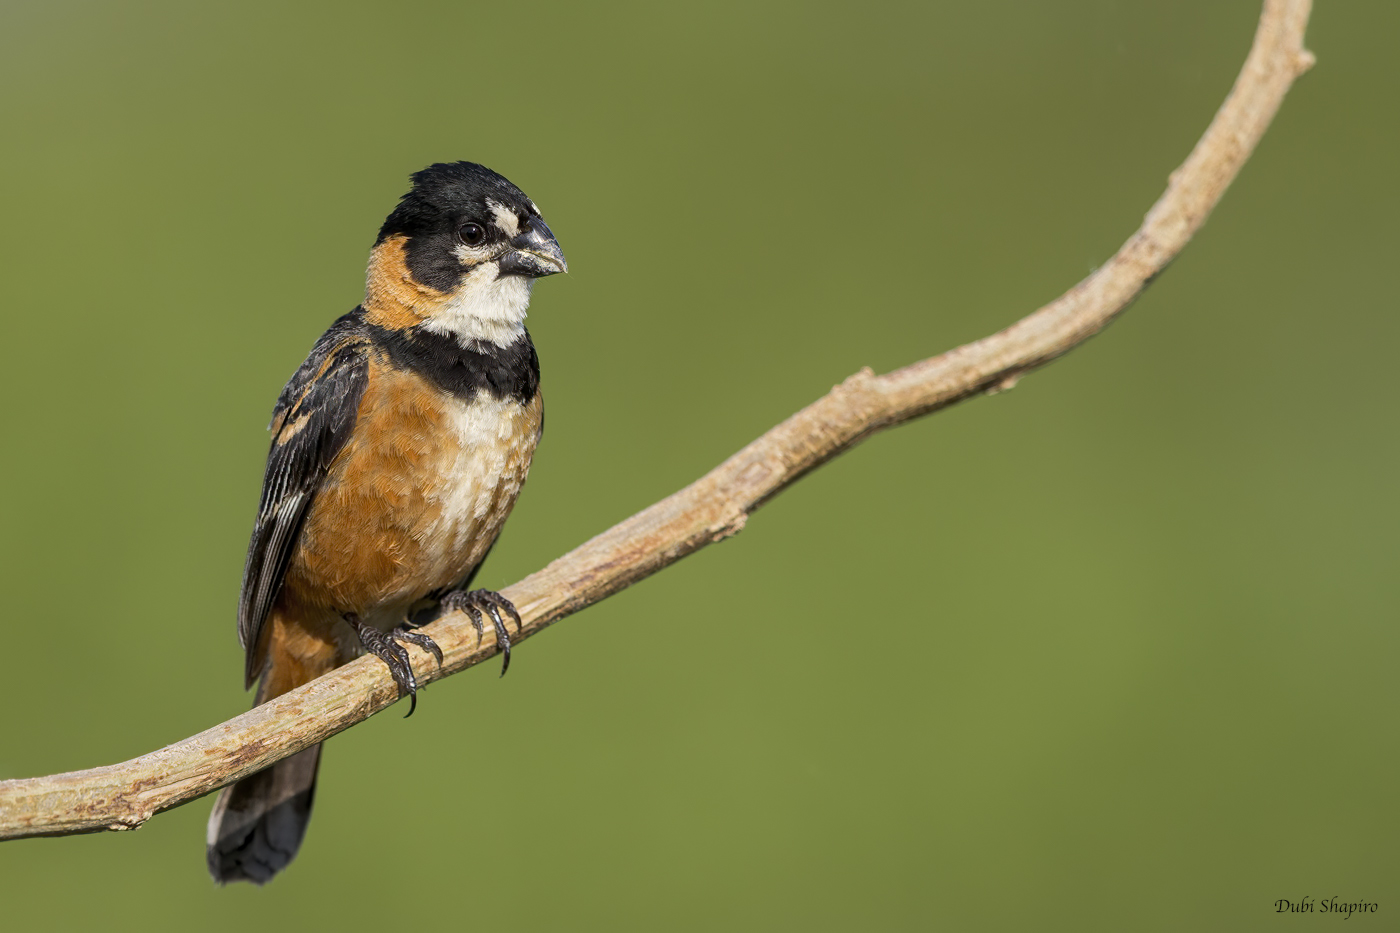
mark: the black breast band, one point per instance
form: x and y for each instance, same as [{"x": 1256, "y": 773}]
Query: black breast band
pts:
[{"x": 503, "y": 372}]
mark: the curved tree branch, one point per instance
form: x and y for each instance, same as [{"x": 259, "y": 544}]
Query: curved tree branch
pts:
[{"x": 124, "y": 796}]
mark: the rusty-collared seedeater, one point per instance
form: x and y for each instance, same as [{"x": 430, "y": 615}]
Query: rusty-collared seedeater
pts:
[{"x": 398, "y": 449}]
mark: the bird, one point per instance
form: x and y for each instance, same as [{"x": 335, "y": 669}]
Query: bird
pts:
[{"x": 398, "y": 450}]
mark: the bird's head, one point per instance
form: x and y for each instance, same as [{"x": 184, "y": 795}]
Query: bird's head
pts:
[{"x": 459, "y": 255}]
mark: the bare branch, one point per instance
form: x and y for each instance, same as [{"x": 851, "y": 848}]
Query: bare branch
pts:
[{"x": 124, "y": 796}]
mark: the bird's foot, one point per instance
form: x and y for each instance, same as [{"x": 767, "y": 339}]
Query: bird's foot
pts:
[
  {"x": 405, "y": 633},
  {"x": 473, "y": 603},
  {"x": 386, "y": 648}
]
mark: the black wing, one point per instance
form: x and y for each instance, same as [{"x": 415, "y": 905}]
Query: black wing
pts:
[{"x": 311, "y": 423}]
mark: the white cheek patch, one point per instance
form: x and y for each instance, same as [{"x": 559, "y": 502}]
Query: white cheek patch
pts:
[
  {"x": 505, "y": 218},
  {"x": 470, "y": 255},
  {"x": 485, "y": 308}
]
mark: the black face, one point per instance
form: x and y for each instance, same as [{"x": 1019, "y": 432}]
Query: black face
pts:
[{"x": 455, "y": 205}]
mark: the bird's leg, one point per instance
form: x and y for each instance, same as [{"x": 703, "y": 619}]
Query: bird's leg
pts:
[
  {"x": 473, "y": 602},
  {"x": 387, "y": 649}
]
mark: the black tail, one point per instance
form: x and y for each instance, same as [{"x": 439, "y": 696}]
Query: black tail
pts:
[{"x": 257, "y": 824}]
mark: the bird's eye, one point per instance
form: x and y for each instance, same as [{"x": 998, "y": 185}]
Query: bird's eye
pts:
[{"x": 471, "y": 234}]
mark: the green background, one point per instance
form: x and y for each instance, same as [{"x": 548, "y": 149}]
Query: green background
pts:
[{"x": 1115, "y": 650}]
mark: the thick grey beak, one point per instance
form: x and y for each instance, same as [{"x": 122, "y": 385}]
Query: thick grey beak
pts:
[{"x": 534, "y": 253}]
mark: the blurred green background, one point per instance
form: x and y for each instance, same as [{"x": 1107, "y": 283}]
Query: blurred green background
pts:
[{"x": 1115, "y": 650}]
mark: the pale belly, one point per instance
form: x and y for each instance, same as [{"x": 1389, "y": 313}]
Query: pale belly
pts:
[{"x": 483, "y": 470}]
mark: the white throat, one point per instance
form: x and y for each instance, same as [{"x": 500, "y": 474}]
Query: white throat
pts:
[{"x": 485, "y": 308}]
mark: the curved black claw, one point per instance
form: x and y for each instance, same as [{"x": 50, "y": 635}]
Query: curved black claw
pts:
[
  {"x": 404, "y": 633},
  {"x": 472, "y": 602},
  {"x": 394, "y": 655}
]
